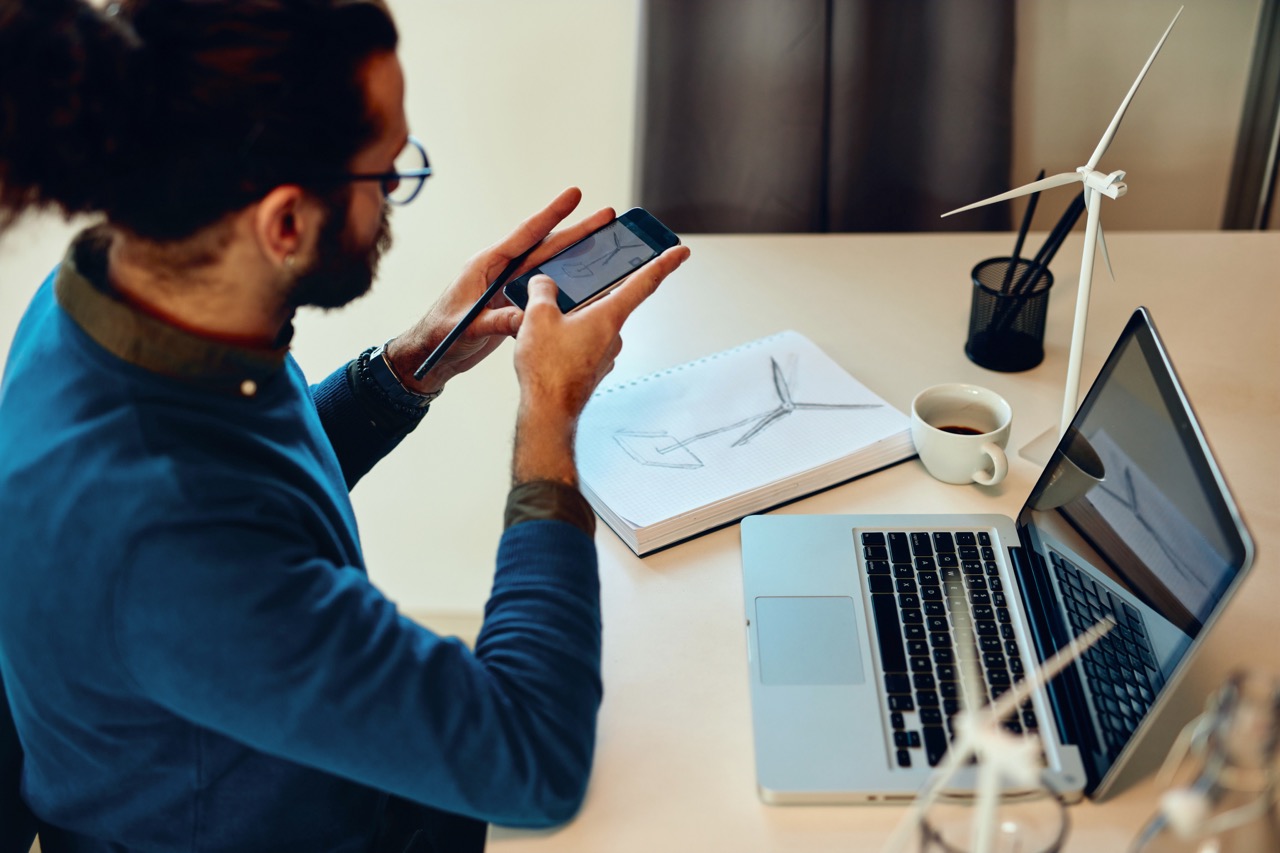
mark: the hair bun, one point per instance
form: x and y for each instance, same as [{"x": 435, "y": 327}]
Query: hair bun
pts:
[{"x": 64, "y": 103}]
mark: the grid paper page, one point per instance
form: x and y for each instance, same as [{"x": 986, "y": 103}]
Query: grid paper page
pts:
[{"x": 681, "y": 438}]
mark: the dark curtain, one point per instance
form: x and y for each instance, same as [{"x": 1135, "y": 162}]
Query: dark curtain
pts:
[{"x": 825, "y": 115}]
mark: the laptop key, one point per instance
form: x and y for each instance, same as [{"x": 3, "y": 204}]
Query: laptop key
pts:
[
  {"x": 875, "y": 552},
  {"x": 921, "y": 544},
  {"x": 877, "y": 567},
  {"x": 943, "y": 542},
  {"x": 873, "y": 538},
  {"x": 935, "y": 744},
  {"x": 966, "y": 539},
  {"x": 901, "y": 703},
  {"x": 889, "y": 633},
  {"x": 984, "y": 538},
  {"x": 897, "y": 721},
  {"x": 897, "y": 682},
  {"x": 879, "y": 583},
  {"x": 899, "y": 548},
  {"x": 904, "y": 758}
]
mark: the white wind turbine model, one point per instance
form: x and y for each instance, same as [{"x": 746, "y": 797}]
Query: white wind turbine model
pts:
[
  {"x": 999, "y": 754},
  {"x": 1096, "y": 185}
]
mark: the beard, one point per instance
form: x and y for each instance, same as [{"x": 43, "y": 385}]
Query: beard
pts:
[{"x": 342, "y": 271}]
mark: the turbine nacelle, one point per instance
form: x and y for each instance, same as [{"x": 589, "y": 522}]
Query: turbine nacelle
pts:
[{"x": 1109, "y": 185}]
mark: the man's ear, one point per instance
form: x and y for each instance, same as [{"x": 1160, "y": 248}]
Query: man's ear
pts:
[{"x": 286, "y": 223}]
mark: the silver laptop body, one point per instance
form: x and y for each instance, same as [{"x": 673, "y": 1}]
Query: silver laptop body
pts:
[{"x": 853, "y": 675}]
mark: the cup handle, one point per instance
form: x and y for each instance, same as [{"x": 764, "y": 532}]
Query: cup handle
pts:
[{"x": 999, "y": 462}]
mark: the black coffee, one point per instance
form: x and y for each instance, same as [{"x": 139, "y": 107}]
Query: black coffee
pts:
[{"x": 961, "y": 430}]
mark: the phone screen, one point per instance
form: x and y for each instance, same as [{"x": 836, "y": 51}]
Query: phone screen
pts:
[{"x": 585, "y": 268}]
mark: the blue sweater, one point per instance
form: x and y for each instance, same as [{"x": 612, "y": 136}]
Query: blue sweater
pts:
[{"x": 193, "y": 652}]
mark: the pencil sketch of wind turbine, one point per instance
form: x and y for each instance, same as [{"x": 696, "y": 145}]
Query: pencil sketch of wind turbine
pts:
[
  {"x": 661, "y": 450},
  {"x": 1000, "y": 755},
  {"x": 1096, "y": 185}
]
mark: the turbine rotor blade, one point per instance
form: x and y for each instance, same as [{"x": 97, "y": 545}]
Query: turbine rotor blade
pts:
[
  {"x": 1106, "y": 256},
  {"x": 1035, "y": 186},
  {"x": 1105, "y": 142}
]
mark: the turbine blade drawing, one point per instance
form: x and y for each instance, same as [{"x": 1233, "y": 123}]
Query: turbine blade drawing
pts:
[
  {"x": 836, "y": 406},
  {"x": 1110, "y": 132},
  {"x": 761, "y": 427},
  {"x": 1035, "y": 186},
  {"x": 780, "y": 385}
]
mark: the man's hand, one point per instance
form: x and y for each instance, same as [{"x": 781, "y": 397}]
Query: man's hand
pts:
[
  {"x": 500, "y": 319},
  {"x": 561, "y": 358}
]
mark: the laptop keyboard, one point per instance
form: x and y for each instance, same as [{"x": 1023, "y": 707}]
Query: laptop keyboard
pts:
[
  {"x": 923, "y": 586},
  {"x": 1121, "y": 669}
]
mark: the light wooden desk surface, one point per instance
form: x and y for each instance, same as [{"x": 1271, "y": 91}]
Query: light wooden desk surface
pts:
[{"x": 674, "y": 764}]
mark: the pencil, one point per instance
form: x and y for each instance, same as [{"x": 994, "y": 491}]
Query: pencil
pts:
[{"x": 1022, "y": 235}]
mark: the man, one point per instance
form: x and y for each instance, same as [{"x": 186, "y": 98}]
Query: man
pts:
[{"x": 191, "y": 649}]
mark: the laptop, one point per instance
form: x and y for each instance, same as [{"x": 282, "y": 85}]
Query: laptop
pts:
[{"x": 861, "y": 627}]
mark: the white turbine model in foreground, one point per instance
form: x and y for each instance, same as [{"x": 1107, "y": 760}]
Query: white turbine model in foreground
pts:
[
  {"x": 1096, "y": 185},
  {"x": 998, "y": 753}
]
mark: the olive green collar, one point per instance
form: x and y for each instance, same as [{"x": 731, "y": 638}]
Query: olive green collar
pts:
[{"x": 85, "y": 293}]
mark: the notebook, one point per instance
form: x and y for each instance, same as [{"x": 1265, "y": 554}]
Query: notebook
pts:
[
  {"x": 860, "y": 626},
  {"x": 697, "y": 446}
]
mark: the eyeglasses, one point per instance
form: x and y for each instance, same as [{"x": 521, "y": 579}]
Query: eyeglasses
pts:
[{"x": 409, "y": 173}]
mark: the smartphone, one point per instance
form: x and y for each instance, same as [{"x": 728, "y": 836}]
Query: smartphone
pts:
[{"x": 594, "y": 264}]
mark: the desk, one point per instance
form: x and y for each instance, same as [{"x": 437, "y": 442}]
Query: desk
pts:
[{"x": 674, "y": 764}]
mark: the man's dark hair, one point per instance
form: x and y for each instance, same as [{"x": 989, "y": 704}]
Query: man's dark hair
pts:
[{"x": 165, "y": 115}]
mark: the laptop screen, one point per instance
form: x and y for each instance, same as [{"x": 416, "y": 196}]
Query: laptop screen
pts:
[{"x": 1130, "y": 519}]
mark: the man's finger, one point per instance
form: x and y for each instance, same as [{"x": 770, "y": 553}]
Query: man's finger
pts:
[
  {"x": 542, "y": 291},
  {"x": 535, "y": 228},
  {"x": 497, "y": 321},
  {"x": 640, "y": 285},
  {"x": 557, "y": 241}
]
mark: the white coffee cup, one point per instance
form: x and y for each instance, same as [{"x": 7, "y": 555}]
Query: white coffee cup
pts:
[{"x": 960, "y": 432}]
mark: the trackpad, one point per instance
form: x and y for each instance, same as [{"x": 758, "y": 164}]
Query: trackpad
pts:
[{"x": 809, "y": 640}]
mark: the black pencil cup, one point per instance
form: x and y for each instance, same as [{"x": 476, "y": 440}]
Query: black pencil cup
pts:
[{"x": 1006, "y": 320}]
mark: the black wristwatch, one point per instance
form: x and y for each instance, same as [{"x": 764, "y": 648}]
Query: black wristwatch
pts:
[{"x": 378, "y": 371}]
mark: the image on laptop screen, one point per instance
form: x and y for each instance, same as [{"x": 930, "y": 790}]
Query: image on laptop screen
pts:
[{"x": 1130, "y": 520}]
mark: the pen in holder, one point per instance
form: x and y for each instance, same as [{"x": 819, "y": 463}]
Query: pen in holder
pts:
[{"x": 1007, "y": 316}]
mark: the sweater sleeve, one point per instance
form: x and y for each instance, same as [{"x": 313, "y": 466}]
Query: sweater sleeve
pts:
[
  {"x": 361, "y": 428},
  {"x": 234, "y": 625}
]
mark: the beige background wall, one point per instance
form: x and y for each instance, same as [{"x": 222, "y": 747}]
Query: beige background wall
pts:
[
  {"x": 1076, "y": 60},
  {"x": 516, "y": 100}
]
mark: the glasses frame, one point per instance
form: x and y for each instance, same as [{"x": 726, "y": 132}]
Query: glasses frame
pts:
[{"x": 388, "y": 178}]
